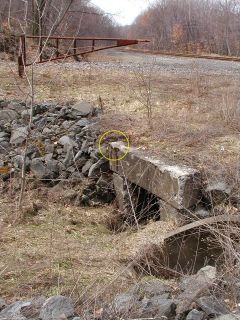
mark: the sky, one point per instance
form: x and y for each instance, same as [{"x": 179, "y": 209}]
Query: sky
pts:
[{"x": 125, "y": 11}]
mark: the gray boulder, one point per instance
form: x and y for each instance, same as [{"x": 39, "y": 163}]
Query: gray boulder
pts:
[
  {"x": 194, "y": 286},
  {"x": 42, "y": 171},
  {"x": 8, "y": 115},
  {"x": 195, "y": 315},
  {"x": 229, "y": 316},
  {"x": 19, "y": 135},
  {"x": 57, "y": 307},
  {"x": 158, "y": 307},
  {"x": 13, "y": 311},
  {"x": 3, "y": 134},
  {"x": 2, "y": 304},
  {"x": 67, "y": 141},
  {"x": 125, "y": 304},
  {"x": 87, "y": 166},
  {"x": 96, "y": 168},
  {"x": 212, "y": 306},
  {"x": 32, "y": 311},
  {"x": 150, "y": 288},
  {"x": 83, "y": 108},
  {"x": 82, "y": 123},
  {"x": 18, "y": 162}
]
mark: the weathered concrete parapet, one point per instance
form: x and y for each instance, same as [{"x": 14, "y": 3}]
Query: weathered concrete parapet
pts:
[{"x": 179, "y": 186}]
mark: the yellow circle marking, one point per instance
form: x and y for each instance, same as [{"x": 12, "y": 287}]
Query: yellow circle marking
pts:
[{"x": 108, "y": 133}]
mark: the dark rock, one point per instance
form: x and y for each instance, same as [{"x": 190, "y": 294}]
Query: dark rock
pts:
[
  {"x": 218, "y": 193},
  {"x": 83, "y": 108},
  {"x": 33, "y": 152},
  {"x": 19, "y": 135},
  {"x": 158, "y": 307},
  {"x": 56, "y": 307},
  {"x": 212, "y": 306},
  {"x": 195, "y": 315},
  {"x": 39, "y": 109}
]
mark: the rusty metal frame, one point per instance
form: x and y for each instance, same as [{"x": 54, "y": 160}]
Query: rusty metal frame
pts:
[{"x": 22, "y": 57}]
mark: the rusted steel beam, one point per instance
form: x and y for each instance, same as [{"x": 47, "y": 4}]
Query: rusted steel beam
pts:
[
  {"x": 86, "y": 38},
  {"x": 121, "y": 43}
]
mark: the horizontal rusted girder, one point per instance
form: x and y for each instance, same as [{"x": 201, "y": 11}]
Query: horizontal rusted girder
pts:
[
  {"x": 22, "y": 59},
  {"x": 87, "y": 38}
]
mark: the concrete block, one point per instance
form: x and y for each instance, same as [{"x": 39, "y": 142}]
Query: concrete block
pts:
[{"x": 179, "y": 186}]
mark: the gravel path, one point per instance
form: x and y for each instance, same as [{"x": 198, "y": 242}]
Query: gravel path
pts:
[{"x": 134, "y": 61}]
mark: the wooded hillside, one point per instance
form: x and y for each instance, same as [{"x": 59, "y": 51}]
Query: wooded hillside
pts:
[
  {"x": 211, "y": 26},
  {"x": 70, "y": 17}
]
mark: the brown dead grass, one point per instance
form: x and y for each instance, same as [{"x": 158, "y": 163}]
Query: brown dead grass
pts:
[
  {"x": 63, "y": 249},
  {"x": 50, "y": 254}
]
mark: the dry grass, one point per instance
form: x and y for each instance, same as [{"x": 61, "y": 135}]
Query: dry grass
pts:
[
  {"x": 69, "y": 250},
  {"x": 195, "y": 117}
]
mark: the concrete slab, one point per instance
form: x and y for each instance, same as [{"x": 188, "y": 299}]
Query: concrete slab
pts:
[{"x": 179, "y": 186}]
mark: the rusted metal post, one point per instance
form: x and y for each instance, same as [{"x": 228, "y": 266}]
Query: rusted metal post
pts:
[
  {"x": 24, "y": 49},
  {"x": 22, "y": 56},
  {"x": 57, "y": 47},
  {"x": 41, "y": 49},
  {"x": 93, "y": 45},
  {"x": 75, "y": 48}
]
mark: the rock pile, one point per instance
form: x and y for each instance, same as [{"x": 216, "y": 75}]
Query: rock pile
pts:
[
  {"x": 195, "y": 298},
  {"x": 53, "y": 308},
  {"x": 62, "y": 143}
]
